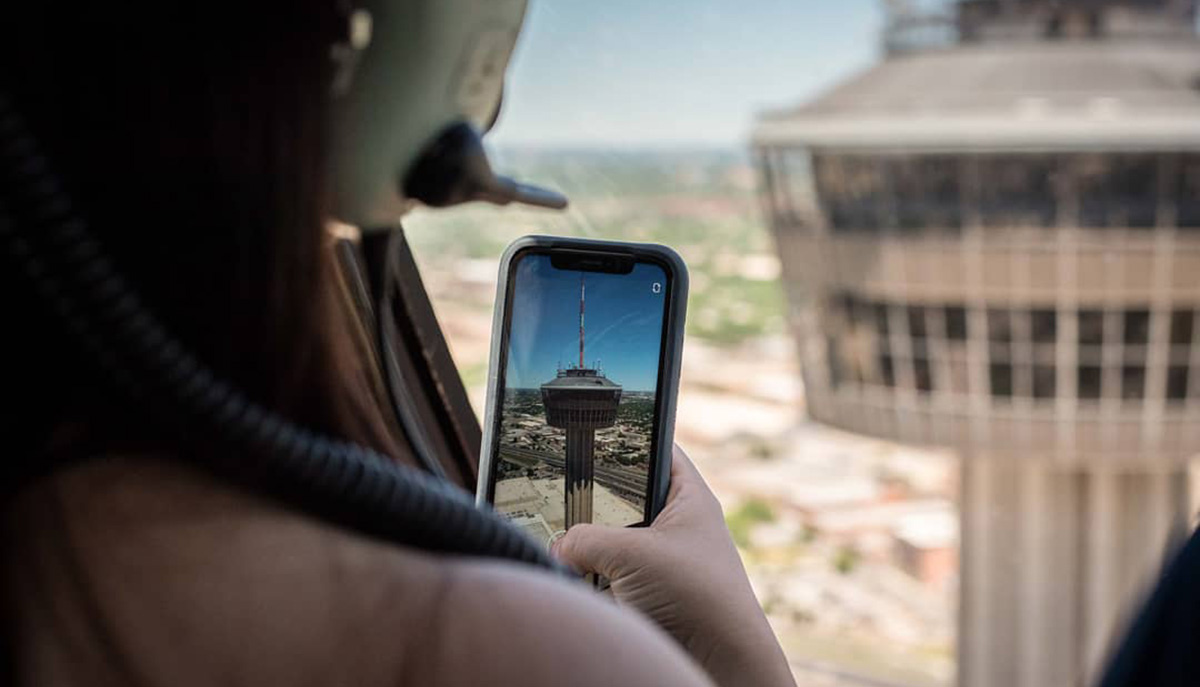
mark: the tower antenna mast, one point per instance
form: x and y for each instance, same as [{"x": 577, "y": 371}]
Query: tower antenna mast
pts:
[{"x": 581, "y": 335}]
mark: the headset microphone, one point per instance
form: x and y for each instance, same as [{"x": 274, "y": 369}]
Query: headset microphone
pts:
[{"x": 454, "y": 169}]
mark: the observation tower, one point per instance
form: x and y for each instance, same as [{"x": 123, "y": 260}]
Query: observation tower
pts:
[
  {"x": 580, "y": 400},
  {"x": 991, "y": 242}
]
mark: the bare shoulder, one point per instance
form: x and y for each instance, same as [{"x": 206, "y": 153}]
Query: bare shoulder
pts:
[
  {"x": 201, "y": 581},
  {"x": 502, "y": 624}
]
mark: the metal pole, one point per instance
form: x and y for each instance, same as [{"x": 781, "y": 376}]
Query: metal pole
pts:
[{"x": 581, "y": 337}]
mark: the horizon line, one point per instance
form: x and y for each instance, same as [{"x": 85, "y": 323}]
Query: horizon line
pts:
[{"x": 620, "y": 147}]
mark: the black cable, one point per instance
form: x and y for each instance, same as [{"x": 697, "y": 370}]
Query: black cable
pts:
[{"x": 335, "y": 479}]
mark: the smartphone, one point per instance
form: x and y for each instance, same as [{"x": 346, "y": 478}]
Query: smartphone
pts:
[{"x": 586, "y": 344}]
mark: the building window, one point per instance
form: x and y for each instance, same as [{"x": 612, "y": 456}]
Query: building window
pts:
[
  {"x": 1118, "y": 190},
  {"x": 1017, "y": 191},
  {"x": 1133, "y": 382},
  {"x": 1178, "y": 372},
  {"x": 1045, "y": 381},
  {"x": 1001, "y": 375},
  {"x": 1177, "y": 382},
  {"x": 922, "y": 376},
  {"x": 956, "y": 323},
  {"x": 853, "y": 191},
  {"x": 916, "y": 323},
  {"x": 1181, "y": 328},
  {"x": 1187, "y": 192},
  {"x": 916, "y": 193},
  {"x": 881, "y": 320},
  {"x": 927, "y": 192},
  {"x": 887, "y": 370},
  {"x": 1089, "y": 382},
  {"x": 1044, "y": 326},
  {"x": 1137, "y": 327},
  {"x": 999, "y": 324},
  {"x": 1091, "y": 327},
  {"x": 1021, "y": 346}
]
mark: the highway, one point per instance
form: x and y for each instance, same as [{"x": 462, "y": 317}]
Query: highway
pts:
[{"x": 623, "y": 480}]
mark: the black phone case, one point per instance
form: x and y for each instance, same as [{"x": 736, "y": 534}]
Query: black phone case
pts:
[{"x": 671, "y": 360}]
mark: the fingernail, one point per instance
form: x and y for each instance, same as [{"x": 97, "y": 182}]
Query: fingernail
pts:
[{"x": 555, "y": 542}]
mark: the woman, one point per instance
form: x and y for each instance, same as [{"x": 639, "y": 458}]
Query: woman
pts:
[{"x": 196, "y": 146}]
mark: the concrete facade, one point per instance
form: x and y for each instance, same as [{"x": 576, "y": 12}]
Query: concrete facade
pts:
[{"x": 995, "y": 246}]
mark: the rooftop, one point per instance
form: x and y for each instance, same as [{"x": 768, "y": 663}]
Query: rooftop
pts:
[
  {"x": 879, "y": 516},
  {"x": 924, "y": 24},
  {"x": 998, "y": 95},
  {"x": 580, "y": 378},
  {"x": 936, "y": 529}
]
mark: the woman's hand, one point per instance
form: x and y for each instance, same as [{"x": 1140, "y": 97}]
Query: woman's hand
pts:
[{"x": 685, "y": 574}]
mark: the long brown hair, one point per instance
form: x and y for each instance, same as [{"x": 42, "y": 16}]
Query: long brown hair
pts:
[{"x": 193, "y": 138}]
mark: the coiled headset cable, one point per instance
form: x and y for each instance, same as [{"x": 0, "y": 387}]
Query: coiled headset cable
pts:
[{"x": 335, "y": 479}]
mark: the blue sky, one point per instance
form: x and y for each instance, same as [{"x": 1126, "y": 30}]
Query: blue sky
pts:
[
  {"x": 623, "y": 322},
  {"x": 675, "y": 73}
]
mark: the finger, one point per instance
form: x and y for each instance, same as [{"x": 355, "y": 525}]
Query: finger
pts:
[
  {"x": 686, "y": 481},
  {"x": 682, "y": 467},
  {"x": 594, "y": 548},
  {"x": 685, "y": 477}
]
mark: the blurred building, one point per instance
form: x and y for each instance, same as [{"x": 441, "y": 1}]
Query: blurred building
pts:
[
  {"x": 991, "y": 241},
  {"x": 924, "y": 546}
]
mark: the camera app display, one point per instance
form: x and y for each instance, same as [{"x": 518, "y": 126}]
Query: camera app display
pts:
[{"x": 578, "y": 404}]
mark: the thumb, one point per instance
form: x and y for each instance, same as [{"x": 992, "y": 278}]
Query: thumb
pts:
[{"x": 591, "y": 548}]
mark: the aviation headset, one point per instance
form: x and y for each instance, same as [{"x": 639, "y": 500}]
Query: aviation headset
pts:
[{"x": 391, "y": 149}]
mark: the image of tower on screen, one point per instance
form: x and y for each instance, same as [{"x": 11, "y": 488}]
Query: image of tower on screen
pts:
[{"x": 575, "y": 438}]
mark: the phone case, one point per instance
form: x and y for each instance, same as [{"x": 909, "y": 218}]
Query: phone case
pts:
[{"x": 672, "y": 356}]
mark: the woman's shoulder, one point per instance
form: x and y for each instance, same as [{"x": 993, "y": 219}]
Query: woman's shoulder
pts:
[
  {"x": 507, "y": 624},
  {"x": 187, "y": 572}
]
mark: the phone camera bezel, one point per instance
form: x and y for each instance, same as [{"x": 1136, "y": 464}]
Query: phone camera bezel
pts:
[{"x": 592, "y": 261}]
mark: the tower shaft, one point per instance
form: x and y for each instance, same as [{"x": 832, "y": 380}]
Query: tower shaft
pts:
[
  {"x": 580, "y": 468},
  {"x": 1050, "y": 557}
]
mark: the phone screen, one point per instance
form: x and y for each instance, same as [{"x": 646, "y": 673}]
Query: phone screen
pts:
[{"x": 578, "y": 406}]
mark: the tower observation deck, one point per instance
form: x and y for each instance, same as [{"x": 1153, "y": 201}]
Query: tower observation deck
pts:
[
  {"x": 580, "y": 400},
  {"x": 991, "y": 241}
]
